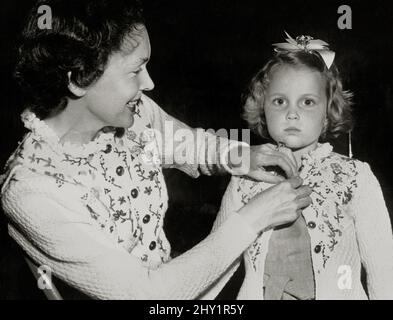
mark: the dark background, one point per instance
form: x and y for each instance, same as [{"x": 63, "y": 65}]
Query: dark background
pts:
[{"x": 203, "y": 56}]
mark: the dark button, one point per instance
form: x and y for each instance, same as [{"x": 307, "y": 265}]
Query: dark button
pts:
[
  {"x": 146, "y": 218},
  {"x": 108, "y": 148},
  {"x": 311, "y": 224},
  {"x": 134, "y": 193},
  {"x": 317, "y": 249},
  {"x": 119, "y": 170},
  {"x": 152, "y": 245}
]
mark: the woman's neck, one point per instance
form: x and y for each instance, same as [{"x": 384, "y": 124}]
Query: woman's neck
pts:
[{"x": 73, "y": 125}]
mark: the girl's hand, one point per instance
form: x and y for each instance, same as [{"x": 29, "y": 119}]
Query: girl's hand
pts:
[{"x": 278, "y": 205}]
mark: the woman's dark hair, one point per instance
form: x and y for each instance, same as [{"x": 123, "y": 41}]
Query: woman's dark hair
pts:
[
  {"x": 339, "y": 117},
  {"x": 82, "y": 36}
]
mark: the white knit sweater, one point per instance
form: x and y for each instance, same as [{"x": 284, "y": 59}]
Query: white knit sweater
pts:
[
  {"x": 94, "y": 214},
  {"x": 56, "y": 231},
  {"x": 348, "y": 224}
]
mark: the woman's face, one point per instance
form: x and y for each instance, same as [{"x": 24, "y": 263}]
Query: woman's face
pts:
[
  {"x": 109, "y": 101},
  {"x": 295, "y": 106}
]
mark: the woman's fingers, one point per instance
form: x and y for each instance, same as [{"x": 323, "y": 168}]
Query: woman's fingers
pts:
[
  {"x": 277, "y": 205},
  {"x": 268, "y": 156},
  {"x": 264, "y": 156},
  {"x": 303, "y": 202},
  {"x": 284, "y": 159},
  {"x": 288, "y": 152},
  {"x": 303, "y": 191},
  {"x": 274, "y": 158},
  {"x": 268, "y": 177},
  {"x": 282, "y": 148},
  {"x": 295, "y": 182}
]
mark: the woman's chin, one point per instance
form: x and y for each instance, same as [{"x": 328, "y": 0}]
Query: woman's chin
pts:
[
  {"x": 130, "y": 122},
  {"x": 127, "y": 120}
]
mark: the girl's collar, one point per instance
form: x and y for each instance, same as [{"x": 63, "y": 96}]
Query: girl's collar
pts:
[
  {"x": 321, "y": 151},
  {"x": 40, "y": 129}
]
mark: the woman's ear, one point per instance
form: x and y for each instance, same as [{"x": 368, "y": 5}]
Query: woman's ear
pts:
[{"x": 76, "y": 90}]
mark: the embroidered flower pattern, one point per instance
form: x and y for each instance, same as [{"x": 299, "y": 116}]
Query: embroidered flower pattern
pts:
[
  {"x": 332, "y": 178},
  {"x": 254, "y": 251},
  {"x": 120, "y": 179}
]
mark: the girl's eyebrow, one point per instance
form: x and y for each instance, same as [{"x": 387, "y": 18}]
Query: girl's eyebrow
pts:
[
  {"x": 311, "y": 94},
  {"x": 276, "y": 94}
]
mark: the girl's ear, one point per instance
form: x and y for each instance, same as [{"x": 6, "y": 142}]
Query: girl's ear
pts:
[
  {"x": 76, "y": 90},
  {"x": 325, "y": 127},
  {"x": 325, "y": 124}
]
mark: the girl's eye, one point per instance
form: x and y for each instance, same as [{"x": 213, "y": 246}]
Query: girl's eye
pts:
[
  {"x": 279, "y": 101},
  {"x": 308, "y": 102}
]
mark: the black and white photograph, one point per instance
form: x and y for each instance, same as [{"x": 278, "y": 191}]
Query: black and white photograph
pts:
[{"x": 215, "y": 151}]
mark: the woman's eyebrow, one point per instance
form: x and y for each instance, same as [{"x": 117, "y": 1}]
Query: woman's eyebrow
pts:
[
  {"x": 141, "y": 61},
  {"x": 136, "y": 63}
]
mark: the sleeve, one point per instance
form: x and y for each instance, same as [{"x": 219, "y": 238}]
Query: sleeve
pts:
[
  {"x": 89, "y": 260},
  {"x": 374, "y": 235},
  {"x": 190, "y": 150},
  {"x": 230, "y": 201}
]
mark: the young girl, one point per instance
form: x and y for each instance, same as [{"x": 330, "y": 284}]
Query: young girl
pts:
[{"x": 297, "y": 99}]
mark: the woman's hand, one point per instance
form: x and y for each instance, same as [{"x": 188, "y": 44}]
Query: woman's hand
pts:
[
  {"x": 255, "y": 162},
  {"x": 278, "y": 205}
]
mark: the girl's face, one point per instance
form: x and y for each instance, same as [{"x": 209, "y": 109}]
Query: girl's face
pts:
[
  {"x": 295, "y": 107},
  {"x": 109, "y": 101}
]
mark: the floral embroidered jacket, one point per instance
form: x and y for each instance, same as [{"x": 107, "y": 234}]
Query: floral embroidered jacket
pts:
[
  {"x": 113, "y": 185},
  {"x": 348, "y": 224}
]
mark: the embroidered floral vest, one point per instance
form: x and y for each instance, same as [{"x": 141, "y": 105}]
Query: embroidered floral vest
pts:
[
  {"x": 119, "y": 181},
  {"x": 332, "y": 178}
]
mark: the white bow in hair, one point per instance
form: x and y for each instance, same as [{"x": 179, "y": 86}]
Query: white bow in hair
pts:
[{"x": 307, "y": 43}]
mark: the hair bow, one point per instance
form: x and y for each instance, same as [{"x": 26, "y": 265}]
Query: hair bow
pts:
[{"x": 308, "y": 44}]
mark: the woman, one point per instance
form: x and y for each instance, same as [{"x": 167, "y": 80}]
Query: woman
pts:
[{"x": 84, "y": 191}]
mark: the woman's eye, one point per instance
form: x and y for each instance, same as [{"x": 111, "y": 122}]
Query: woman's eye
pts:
[
  {"x": 136, "y": 72},
  {"x": 308, "y": 102},
  {"x": 279, "y": 101}
]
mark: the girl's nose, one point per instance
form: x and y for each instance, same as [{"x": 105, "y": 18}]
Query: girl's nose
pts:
[
  {"x": 146, "y": 83},
  {"x": 292, "y": 114}
]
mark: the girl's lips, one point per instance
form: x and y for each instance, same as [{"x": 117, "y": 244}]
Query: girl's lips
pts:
[{"x": 292, "y": 129}]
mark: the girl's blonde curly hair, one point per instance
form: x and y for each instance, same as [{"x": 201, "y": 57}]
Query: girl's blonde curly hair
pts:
[{"x": 339, "y": 106}]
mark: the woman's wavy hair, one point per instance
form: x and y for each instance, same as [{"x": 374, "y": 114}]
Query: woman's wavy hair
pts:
[
  {"x": 83, "y": 34},
  {"x": 339, "y": 117}
]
